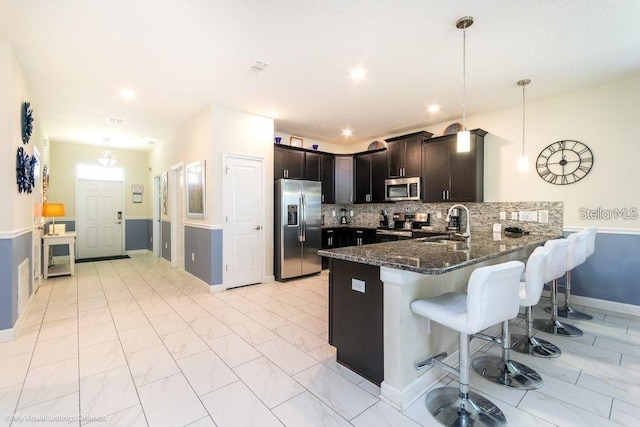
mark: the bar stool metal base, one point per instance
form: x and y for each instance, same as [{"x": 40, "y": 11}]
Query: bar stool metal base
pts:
[
  {"x": 556, "y": 327},
  {"x": 568, "y": 312},
  {"x": 446, "y": 406},
  {"x": 534, "y": 346},
  {"x": 510, "y": 373}
]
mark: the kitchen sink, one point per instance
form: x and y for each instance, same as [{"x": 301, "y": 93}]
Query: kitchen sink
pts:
[{"x": 457, "y": 243}]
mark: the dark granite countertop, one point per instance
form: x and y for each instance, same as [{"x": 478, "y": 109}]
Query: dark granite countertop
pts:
[{"x": 425, "y": 257}]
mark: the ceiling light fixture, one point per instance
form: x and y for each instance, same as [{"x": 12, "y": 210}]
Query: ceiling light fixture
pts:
[
  {"x": 347, "y": 132},
  {"x": 464, "y": 136},
  {"x": 127, "y": 94},
  {"x": 358, "y": 73},
  {"x": 106, "y": 158},
  {"x": 433, "y": 108},
  {"x": 523, "y": 161}
]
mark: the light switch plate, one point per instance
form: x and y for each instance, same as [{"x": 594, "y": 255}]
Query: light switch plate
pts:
[
  {"x": 543, "y": 216},
  {"x": 438, "y": 214},
  {"x": 503, "y": 215},
  {"x": 358, "y": 285},
  {"x": 514, "y": 216}
]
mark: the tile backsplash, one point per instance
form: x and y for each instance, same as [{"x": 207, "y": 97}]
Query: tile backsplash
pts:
[{"x": 483, "y": 215}]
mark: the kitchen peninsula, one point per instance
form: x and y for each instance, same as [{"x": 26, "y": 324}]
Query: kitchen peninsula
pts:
[{"x": 372, "y": 287}]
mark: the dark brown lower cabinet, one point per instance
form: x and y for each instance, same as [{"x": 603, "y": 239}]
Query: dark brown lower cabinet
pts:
[{"x": 355, "y": 317}]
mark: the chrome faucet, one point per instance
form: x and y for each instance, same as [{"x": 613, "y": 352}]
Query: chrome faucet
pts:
[{"x": 467, "y": 230}]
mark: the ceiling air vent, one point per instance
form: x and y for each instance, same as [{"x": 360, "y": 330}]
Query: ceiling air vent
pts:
[
  {"x": 258, "y": 66},
  {"x": 115, "y": 121}
]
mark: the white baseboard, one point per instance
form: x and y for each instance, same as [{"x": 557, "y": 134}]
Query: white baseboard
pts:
[
  {"x": 137, "y": 252},
  {"x": 269, "y": 279},
  {"x": 598, "y": 303},
  {"x": 7, "y": 334}
]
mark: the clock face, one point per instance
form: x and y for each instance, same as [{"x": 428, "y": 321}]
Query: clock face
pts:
[{"x": 564, "y": 162}]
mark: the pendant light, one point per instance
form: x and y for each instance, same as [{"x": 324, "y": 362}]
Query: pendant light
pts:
[
  {"x": 523, "y": 161},
  {"x": 106, "y": 158},
  {"x": 464, "y": 136}
]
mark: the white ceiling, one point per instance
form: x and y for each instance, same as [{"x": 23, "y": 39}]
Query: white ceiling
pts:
[{"x": 182, "y": 55}]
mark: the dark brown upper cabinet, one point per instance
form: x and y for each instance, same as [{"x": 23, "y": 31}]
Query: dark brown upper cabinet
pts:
[
  {"x": 404, "y": 154},
  {"x": 368, "y": 181},
  {"x": 298, "y": 163},
  {"x": 449, "y": 176}
]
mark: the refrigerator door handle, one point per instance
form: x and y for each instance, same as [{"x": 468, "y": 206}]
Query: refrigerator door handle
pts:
[
  {"x": 300, "y": 213},
  {"x": 304, "y": 218}
]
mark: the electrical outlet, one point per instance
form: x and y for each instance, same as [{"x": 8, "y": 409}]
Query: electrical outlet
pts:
[
  {"x": 358, "y": 285},
  {"x": 333, "y": 213},
  {"x": 193, "y": 256},
  {"x": 439, "y": 215},
  {"x": 351, "y": 213},
  {"x": 503, "y": 215},
  {"x": 543, "y": 216},
  {"x": 514, "y": 216}
]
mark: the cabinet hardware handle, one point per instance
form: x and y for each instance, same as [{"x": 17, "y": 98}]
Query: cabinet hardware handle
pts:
[{"x": 258, "y": 227}]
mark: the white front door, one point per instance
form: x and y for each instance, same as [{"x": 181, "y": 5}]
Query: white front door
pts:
[
  {"x": 243, "y": 231},
  {"x": 99, "y": 227}
]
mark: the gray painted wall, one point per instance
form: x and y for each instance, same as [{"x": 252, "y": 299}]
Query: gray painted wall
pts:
[
  {"x": 165, "y": 248},
  {"x": 612, "y": 273},
  {"x": 206, "y": 247},
  {"x": 150, "y": 234},
  {"x": 12, "y": 253},
  {"x": 136, "y": 234}
]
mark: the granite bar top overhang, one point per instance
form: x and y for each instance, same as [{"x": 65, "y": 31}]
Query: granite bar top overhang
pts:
[{"x": 427, "y": 257}]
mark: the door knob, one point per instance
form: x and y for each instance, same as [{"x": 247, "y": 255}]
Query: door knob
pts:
[{"x": 258, "y": 227}]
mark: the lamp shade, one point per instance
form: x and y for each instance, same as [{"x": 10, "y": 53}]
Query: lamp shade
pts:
[
  {"x": 464, "y": 141},
  {"x": 53, "y": 209}
]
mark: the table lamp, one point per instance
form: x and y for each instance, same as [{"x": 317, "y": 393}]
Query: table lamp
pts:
[{"x": 53, "y": 210}]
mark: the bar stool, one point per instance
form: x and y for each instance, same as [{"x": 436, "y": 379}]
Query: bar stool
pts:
[
  {"x": 503, "y": 370},
  {"x": 530, "y": 292},
  {"x": 492, "y": 297},
  {"x": 588, "y": 246},
  {"x": 557, "y": 262},
  {"x": 578, "y": 252}
]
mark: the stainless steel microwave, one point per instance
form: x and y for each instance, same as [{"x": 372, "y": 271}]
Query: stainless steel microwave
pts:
[{"x": 400, "y": 189}]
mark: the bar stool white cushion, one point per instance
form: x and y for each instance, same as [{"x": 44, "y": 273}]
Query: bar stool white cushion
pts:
[
  {"x": 531, "y": 287},
  {"x": 491, "y": 299},
  {"x": 557, "y": 260},
  {"x": 591, "y": 247},
  {"x": 578, "y": 249}
]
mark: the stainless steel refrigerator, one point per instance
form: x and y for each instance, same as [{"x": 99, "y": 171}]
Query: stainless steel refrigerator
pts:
[{"x": 298, "y": 233}]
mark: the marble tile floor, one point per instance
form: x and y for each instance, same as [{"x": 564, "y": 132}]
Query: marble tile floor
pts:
[{"x": 136, "y": 343}]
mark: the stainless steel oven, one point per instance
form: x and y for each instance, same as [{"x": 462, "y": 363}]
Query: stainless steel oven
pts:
[{"x": 386, "y": 235}]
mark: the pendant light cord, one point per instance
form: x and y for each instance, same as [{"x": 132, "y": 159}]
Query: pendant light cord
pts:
[
  {"x": 523, "y": 118},
  {"x": 464, "y": 78}
]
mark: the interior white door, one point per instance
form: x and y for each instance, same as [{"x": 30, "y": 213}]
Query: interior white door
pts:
[
  {"x": 156, "y": 238},
  {"x": 243, "y": 231},
  {"x": 99, "y": 227},
  {"x": 177, "y": 216}
]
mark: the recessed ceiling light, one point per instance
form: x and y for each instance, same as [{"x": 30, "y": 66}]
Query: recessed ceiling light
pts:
[
  {"x": 433, "y": 108},
  {"x": 127, "y": 94},
  {"x": 358, "y": 73},
  {"x": 115, "y": 121},
  {"x": 347, "y": 132}
]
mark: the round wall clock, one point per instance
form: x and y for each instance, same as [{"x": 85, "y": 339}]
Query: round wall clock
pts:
[
  {"x": 27, "y": 122},
  {"x": 564, "y": 162}
]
